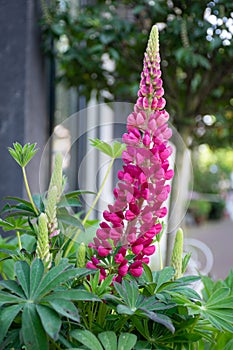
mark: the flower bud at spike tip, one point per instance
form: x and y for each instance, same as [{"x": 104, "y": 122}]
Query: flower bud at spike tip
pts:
[
  {"x": 153, "y": 43},
  {"x": 56, "y": 178},
  {"x": 177, "y": 254}
]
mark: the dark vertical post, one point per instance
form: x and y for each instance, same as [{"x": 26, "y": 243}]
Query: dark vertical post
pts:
[{"x": 23, "y": 103}]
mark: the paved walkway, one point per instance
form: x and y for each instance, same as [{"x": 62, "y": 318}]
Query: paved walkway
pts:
[{"x": 214, "y": 240}]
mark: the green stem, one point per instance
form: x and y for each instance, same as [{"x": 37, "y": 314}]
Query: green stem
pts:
[
  {"x": 99, "y": 193},
  {"x": 56, "y": 346},
  {"x": 28, "y": 191},
  {"x": 160, "y": 256},
  {"x": 4, "y": 276},
  {"x": 91, "y": 208},
  {"x": 19, "y": 240}
]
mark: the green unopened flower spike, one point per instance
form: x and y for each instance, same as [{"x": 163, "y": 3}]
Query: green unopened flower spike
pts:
[
  {"x": 56, "y": 178},
  {"x": 177, "y": 254},
  {"x": 81, "y": 255},
  {"x": 153, "y": 42},
  {"x": 42, "y": 249},
  {"x": 51, "y": 212}
]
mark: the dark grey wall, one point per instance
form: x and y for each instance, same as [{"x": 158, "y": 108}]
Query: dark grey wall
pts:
[{"x": 23, "y": 91}]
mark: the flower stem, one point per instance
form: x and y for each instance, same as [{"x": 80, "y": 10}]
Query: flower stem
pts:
[
  {"x": 99, "y": 192},
  {"x": 19, "y": 240},
  {"x": 91, "y": 208},
  {"x": 28, "y": 191},
  {"x": 160, "y": 256}
]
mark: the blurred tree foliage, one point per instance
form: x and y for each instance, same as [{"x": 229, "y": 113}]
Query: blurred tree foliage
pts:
[
  {"x": 212, "y": 169},
  {"x": 100, "y": 47}
]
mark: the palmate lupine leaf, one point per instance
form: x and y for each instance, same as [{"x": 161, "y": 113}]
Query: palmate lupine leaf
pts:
[
  {"x": 113, "y": 151},
  {"x": 22, "y": 271},
  {"x": 7, "y": 315},
  {"x": 218, "y": 309},
  {"x": 108, "y": 340},
  {"x": 14, "y": 287},
  {"x": 15, "y": 224},
  {"x": 33, "y": 332},
  {"x": 36, "y": 275},
  {"x": 35, "y": 295},
  {"x": 55, "y": 277},
  {"x": 17, "y": 212},
  {"x": 131, "y": 302},
  {"x": 50, "y": 320},
  {"x": 65, "y": 308},
  {"x": 72, "y": 294},
  {"x": 163, "y": 276},
  {"x": 23, "y": 154}
]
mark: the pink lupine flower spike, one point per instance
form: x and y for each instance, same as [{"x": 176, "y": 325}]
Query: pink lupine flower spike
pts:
[{"x": 132, "y": 222}]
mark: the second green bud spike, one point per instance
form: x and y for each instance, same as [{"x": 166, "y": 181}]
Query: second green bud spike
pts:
[{"x": 177, "y": 253}]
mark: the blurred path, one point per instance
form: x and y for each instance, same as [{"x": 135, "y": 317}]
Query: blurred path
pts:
[{"x": 218, "y": 236}]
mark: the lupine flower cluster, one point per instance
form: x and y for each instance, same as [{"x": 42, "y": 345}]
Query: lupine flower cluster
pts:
[{"x": 132, "y": 222}]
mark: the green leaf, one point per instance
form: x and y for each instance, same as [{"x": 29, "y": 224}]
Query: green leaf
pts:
[
  {"x": 164, "y": 276},
  {"x": 7, "y": 315},
  {"x": 118, "y": 148},
  {"x": 217, "y": 296},
  {"x": 69, "y": 202},
  {"x": 6, "y": 225},
  {"x": 22, "y": 271},
  {"x": 114, "y": 151},
  {"x": 50, "y": 321},
  {"x": 13, "y": 287},
  {"x": 20, "y": 200},
  {"x": 17, "y": 224},
  {"x": 144, "y": 345},
  {"x": 104, "y": 287},
  {"x": 185, "y": 262},
  {"x": 102, "y": 146},
  {"x": 23, "y": 155},
  {"x": 218, "y": 322},
  {"x": 108, "y": 340},
  {"x": 148, "y": 273},
  {"x": 73, "y": 294},
  {"x": 55, "y": 277},
  {"x": 229, "y": 345},
  {"x": 125, "y": 310},
  {"x": 87, "y": 338},
  {"x": 77, "y": 193},
  {"x": 188, "y": 292},
  {"x": 229, "y": 280},
  {"x": 160, "y": 318},
  {"x": 12, "y": 340},
  {"x": 208, "y": 287},
  {"x": 65, "y": 308},
  {"x": 8, "y": 251},
  {"x": 224, "y": 314},
  {"x": 126, "y": 341},
  {"x": 36, "y": 274},
  {"x": 69, "y": 219},
  {"x": 128, "y": 291},
  {"x": 33, "y": 333},
  {"x": 187, "y": 280},
  {"x": 226, "y": 303}
]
